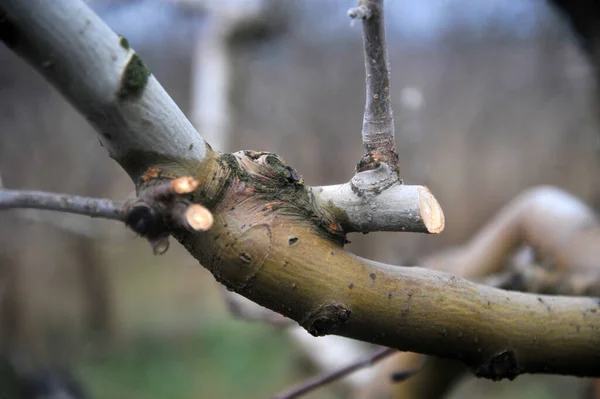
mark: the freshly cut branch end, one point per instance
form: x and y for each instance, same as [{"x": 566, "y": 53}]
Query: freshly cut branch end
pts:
[
  {"x": 360, "y": 12},
  {"x": 431, "y": 211},
  {"x": 198, "y": 217},
  {"x": 184, "y": 185},
  {"x": 370, "y": 203},
  {"x": 163, "y": 206}
]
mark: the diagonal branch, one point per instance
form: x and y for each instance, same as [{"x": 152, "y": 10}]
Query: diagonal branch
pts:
[
  {"x": 268, "y": 241},
  {"x": 322, "y": 380},
  {"x": 104, "y": 79}
]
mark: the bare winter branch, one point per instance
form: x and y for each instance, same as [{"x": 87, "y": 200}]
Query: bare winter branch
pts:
[
  {"x": 104, "y": 79},
  {"x": 375, "y": 199},
  {"x": 268, "y": 241},
  {"x": 322, "y": 380},
  {"x": 93, "y": 207},
  {"x": 398, "y": 207},
  {"x": 154, "y": 214},
  {"x": 378, "y": 122}
]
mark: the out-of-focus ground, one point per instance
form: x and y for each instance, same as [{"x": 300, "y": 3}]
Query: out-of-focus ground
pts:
[{"x": 488, "y": 103}]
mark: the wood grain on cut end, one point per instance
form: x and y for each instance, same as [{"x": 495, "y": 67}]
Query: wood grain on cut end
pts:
[
  {"x": 431, "y": 211},
  {"x": 199, "y": 218},
  {"x": 184, "y": 185}
]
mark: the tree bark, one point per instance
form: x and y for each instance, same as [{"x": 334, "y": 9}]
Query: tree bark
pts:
[{"x": 270, "y": 242}]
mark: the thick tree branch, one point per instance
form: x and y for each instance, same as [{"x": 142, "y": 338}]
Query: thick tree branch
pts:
[
  {"x": 271, "y": 244},
  {"x": 96, "y": 70},
  {"x": 284, "y": 264}
]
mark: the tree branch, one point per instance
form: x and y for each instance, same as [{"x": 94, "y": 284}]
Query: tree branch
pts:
[
  {"x": 93, "y": 207},
  {"x": 360, "y": 206},
  {"x": 156, "y": 212},
  {"x": 104, "y": 79},
  {"x": 375, "y": 200},
  {"x": 560, "y": 228},
  {"x": 322, "y": 380},
  {"x": 269, "y": 242},
  {"x": 434, "y": 379},
  {"x": 378, "y": 122}
]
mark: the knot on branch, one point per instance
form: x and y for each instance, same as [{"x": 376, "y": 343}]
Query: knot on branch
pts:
[
  {"x": 374, "y": 181},
  {"x": 279, "y": 188},
  {"x": 499, "y": 366},
  {"x": 326, "y": 319},
  {"x": 372, "y": 160},
  {"x": 274, "y": 167},
  {"x": 360, "y": 12},
  {"x": 164, "y": 207}
]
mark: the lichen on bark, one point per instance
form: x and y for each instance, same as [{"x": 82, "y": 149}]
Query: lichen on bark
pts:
[{"x": 135, "y": 77}]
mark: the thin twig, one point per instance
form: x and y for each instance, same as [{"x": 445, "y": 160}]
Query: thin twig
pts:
[
  {"x": 154, "y": 214},
  {"x": 378, "y": 122},
  {"x": 321, "y": 380},
  {"x": 93, "y": 207}
]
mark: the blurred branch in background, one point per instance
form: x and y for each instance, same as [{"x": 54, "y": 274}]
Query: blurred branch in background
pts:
[{"x": 319, "y": 381}]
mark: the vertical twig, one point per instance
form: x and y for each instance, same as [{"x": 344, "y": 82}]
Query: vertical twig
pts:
[{"x": 378, "y": 123}]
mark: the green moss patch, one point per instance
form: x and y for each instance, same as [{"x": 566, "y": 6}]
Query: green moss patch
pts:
[{"x": 135, "y": 78}]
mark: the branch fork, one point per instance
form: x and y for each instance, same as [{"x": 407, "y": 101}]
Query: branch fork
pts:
[{"x": 268, "y": 241}]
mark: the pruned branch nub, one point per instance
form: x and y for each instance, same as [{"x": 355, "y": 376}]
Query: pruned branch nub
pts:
[
  {"x": 154, "y": 214},
  {"x": 360, "y": 12}
]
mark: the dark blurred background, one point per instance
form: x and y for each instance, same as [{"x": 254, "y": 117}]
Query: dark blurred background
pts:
[{"x": 490, "y": 97}]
